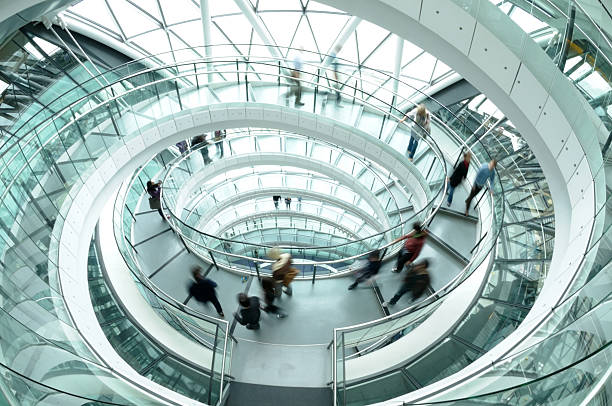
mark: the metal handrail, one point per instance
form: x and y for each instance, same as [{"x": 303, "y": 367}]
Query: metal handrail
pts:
[{"x": 177, "y": 161}]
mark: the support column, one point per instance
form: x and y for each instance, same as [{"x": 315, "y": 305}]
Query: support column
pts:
[
  {"x": 206, "y": 21},
  {"x": 399, "y": 51},
  {"x": 247, "y": 9},
  {"x": 349, "y": 29}
]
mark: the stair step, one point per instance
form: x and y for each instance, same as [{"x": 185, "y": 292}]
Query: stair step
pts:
[{"x": 241, "y": 394}]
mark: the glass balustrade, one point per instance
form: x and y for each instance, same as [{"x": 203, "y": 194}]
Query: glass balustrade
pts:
[{"x": 87, "y": 117}]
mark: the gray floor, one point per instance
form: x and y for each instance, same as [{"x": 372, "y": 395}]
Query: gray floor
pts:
[
  {"x": 293, "y": 351},
  {"x": 281, "y": 365},
  {"x": 313, "y": 312}
]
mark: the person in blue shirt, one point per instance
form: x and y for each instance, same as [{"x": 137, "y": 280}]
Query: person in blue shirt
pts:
[{"x": 485, "y": 172}]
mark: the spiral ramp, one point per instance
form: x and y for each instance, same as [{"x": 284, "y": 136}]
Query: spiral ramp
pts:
[{"x": 95, "y": 305}]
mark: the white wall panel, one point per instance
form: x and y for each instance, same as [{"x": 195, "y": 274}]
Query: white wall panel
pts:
[
  {"x": 121, "y": 156},
  {"x": 449, "y": 21},
  {"x": 553, "y": 127},
  {"x": 580, "y": 181},
  {"x": 183, "y": 122},
  {"x": 201, "y": 117},
  {"x": 529, "y": 93},
  {"x": 218, "y": 114},
  {"x": 412, "y": 8},
  {"x": 236, "y": 112},
  {"x": 502, "y": 65},
  {"x": 135, "y": 146},
  {"x": 570, "y": 157},
  {"x": 167, "y": 128}
]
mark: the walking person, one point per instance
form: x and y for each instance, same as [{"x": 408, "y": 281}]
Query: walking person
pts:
[
  {"x": 154, "y": 191},
  {"x": 282, "y": 271},
  {"x": 417, "y": 280},
  {"x": 288, "y": 203},
  {"x": 248, "y": 314},
  {"x": 485, "y": 173},
  {"x": 219, "y": 137},
  {"x": 203, "y": 290},
  {"x": 276, "y": 200},
  {"x": 200, "y": 141},
  {"x": 296, "y": 83},
  {"x": 299, "y": 203},
  {"x": 412, "y": 246},
  {"x": 458, "y": 175},
  {"x": 420, "y": 128},
  {"x": 369, "y": 270},
  {"x": 268, "y": 284},
  {"x": 333, "y": 61},
  {"x": 182, "y": 146}
]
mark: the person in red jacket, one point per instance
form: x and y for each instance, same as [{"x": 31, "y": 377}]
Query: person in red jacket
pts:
[{"x": 412, "y": 246}]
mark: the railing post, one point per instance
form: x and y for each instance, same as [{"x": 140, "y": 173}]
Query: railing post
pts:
[
  {"x": 484, "y": 192},
  {"x": 183, "y": 241},
  {"x": 213, "y": 259},
  {"x": 178, "y": 94},
  {"x": 383, "y": 253},
  {"x": 382, "y": 126},
  {"x": 355, "y": 91},
  {"x": 212, "y": 365},
  {"x": 279, "y": 73},
  {"x": 257, "y": 270},
  {"x": 129, "y": 242},
  {"x": 246, "y": 86},
  {"x": 314, "y": 273},
  {"x": 195, "y": 71},
  {"x": 132, "y": 214},
  {"x": 237, "y": 72},
  {"x": 314, "y": 104}
]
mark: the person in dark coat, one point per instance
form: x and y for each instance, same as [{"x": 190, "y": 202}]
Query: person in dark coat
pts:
[
  {"x": 200, "y": 140},
  {"x": 249, "y": 313},
  {"x": 268, "y": 284},
  {"x": 458, "y": 175},
  {"x": 203, "y": 290},
  {"x": 276, "y": 200},
  {"x": 154, "y": 191},
  {"x": 417, "y": 280},
  {"x": 412, "y": 246},
  {"x": 369, "y": 270}
]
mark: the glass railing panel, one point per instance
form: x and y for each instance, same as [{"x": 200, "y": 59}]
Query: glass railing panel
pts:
[
  {"x": 489, "y": 323},
  {"x": 339, "y": 360},
  {"x": 386, "y": 387},
  {"x": 446, "y": 358},
  {"x": 515, "y": 283}
]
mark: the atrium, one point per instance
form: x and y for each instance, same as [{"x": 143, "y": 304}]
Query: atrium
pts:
[{"x": 300, "y": 202}]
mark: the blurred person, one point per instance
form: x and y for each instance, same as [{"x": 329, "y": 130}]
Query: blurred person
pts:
[
  {"x": 485, "y": 173},
  {"x": 288, "y": 203},
  {"x": 276, "y": 200},
  {"x": 219, "y": 137},
  {"x": 282, "y": 271},
  {"x": 333, "y": 61},
  {"x": 268, "y": 284},
  {"x": 200, "y": 141},
  {"x": 248, "y": 315},
  {"x": 299, "y": 203},
  {"x": 416, "y": 281},
  {"x": 182, "y": 146},
  {"x": 412, "y": 246},
  {"x": 369, "y": 270},
  {"x": 296, "y": 83},
  {"x": 203, "y": 290},
  {"x": 458, "y": 175},
  {"x": 420, "y": 128}
]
